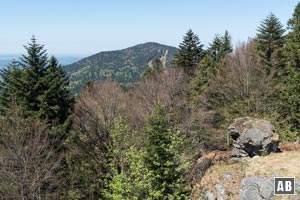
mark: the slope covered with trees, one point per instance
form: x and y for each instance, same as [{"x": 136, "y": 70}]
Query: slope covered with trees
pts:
[{"x": 122, "y": 66}]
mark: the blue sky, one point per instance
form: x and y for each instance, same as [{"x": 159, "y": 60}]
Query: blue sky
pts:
[{"x": 85, "y": 27}]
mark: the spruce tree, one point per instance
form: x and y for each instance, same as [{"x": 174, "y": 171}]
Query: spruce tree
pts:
[
  {"x": 215, "y": 49},
  {"x": 219, "y": 48},
  {"x": 56, "y": 100},
  {"x": 39, "y": 85},
  {"x": 204, "y": 71},
  {"x": 290, "y": 104},
  {"x": 34, "y": 66},
  {"x": 162, "y": 157},
  {"x": 9, "y": 85},
  {"x": 270, "y": 41},
  {"x": 190, "y": 53},
  {"x": 226, "y": 45},
  {"x": 210, "y": 64}
]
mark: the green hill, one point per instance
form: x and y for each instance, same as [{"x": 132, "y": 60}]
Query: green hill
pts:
[{"x": 123, "y": 66}]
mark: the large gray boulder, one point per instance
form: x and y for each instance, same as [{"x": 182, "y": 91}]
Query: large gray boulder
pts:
[{"x": 251, "y": 136}]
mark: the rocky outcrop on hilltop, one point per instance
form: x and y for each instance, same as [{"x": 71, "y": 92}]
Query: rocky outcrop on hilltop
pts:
[
  {"x": 251, "y": 136},
  {"x": 247, "y": 171}
]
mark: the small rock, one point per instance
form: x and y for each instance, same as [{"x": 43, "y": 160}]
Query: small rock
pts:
[
  {"x": 221, "y": 191},
  {"x": 210, "y": 196},
  {"x": 227, "y": 176}
]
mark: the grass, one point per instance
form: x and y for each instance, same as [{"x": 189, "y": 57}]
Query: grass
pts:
[{"x": 281, "y": 164}]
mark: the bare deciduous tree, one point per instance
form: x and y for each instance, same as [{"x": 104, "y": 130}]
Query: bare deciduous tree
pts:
[
  {"x": 28, "y": 161},
  {"x": 94, "y": 114},
  {"x": 242, "y": 80},
  {"x": 168, "y": 88}
]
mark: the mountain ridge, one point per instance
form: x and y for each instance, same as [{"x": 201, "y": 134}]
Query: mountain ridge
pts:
[{"x": 124, "y": 65}]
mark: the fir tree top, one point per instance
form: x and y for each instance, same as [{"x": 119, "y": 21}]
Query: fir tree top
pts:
[
  {"x": 36, "y": 58},
  {"x": 270, "y": 28},
  {"x": 190, "y": 52},
  {"x": 294, "y": 22},
  {"x": 270, "y": 41}
]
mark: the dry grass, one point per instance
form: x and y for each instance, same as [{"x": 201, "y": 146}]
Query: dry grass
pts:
[
  {"x": 229, "y": 175},
  {"x": 290, "y": 146},
  {"x": 281, "y": 164}
]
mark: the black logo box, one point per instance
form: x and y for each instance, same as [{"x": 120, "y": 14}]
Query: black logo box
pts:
[{"x": 284, "y": 185}]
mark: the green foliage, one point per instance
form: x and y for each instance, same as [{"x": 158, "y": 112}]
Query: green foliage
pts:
[
  {"x": 130, "y": 181},
  {"x": 163, "y": 157},
  {"x": 226, "y": 47},
  {"x": 287, "y": 135},
  {"x": 34, "y": 67},
  {"x": 219, "y": 48},
  {"x": 82, "y": 178},
  {"x": 9, "y": 85},
  {"x": 190, "y": 53},
  {"x": 270, "y": 41},
  {"x": 56, "y": 100},
  {"x": 202, "y": 75},
  {"x": 130, "y": 178},
  {"x": 290, "y": 91},
  {"x": 210, "y": 64}
]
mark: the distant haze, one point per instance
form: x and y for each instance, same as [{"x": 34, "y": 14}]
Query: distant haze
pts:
[{"x": 63, "y": 60}]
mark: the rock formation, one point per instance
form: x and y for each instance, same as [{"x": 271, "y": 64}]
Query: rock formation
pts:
[{"x": 251, "y": 136}]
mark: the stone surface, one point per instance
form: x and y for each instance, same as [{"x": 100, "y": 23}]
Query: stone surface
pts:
[
  {"x": 210, "y": 196},
  {"x": 202, "y": 165},
  {"x": 208, "y": 159},
  {"x": 251, "y": 136},
  {"x": 257, "y": 188},
  {"x": 220, "y": 190},
  {"x": 262, "y": 188}
]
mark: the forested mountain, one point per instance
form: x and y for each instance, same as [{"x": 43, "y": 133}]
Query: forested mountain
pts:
[{"x": 122, "y": 66}]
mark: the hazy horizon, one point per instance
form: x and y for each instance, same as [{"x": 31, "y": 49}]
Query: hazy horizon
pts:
[{"x": 63, "y": 60}]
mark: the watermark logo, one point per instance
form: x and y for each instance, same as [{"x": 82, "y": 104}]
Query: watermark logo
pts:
[{"x": 284, "y": 186}]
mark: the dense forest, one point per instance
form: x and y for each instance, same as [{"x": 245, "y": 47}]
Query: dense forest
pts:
[{"x": 114, "y": 142}]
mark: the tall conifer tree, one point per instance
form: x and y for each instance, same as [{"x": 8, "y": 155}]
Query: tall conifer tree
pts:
[
  {"x": 291, "y": 77},
  {"x": 218, "y": 49},
  {"x": 190, "y": 53},
  {"x": 34, "y": 66},
  {"x": 39, "y": 85},
  {"x": 56, "y": 100},
  {"x": 9, "y": 85},
  {"x": 162, "y": 157},
  {"x": 270, "y": 41}
]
